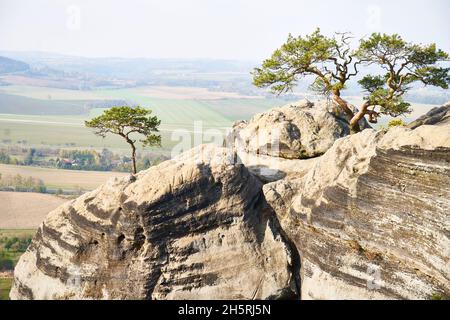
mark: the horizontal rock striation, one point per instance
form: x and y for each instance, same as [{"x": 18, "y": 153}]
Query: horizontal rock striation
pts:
[
  {"x": 195, "y": 227},
  {"x": 371, "y": 219}
]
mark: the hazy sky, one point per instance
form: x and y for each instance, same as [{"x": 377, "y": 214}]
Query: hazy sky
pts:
[{"x": 245, "y": 29}]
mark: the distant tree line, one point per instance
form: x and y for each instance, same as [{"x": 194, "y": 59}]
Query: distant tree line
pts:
[
  {"x": 5, "y": 158},
  {"x": 21, "y": 184},
  {"x": 73, "y": 159},
  {"x": 10, "y": 248}
]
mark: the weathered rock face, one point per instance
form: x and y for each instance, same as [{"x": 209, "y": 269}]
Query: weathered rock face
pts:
[
  {"x": 437, "y": 116},
  {"x": 371, "y": 218},
  {"x": 295, "y": 131},
  {"x": 196, "y": 227}
]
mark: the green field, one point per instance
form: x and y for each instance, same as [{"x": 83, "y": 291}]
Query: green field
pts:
[
  {"x": 64, "y": 132},
  {"x": 55, "y": 117},
  {"x": 6, "y": 234},
  {"x": 5, "y": 287},
  {"x": 15, "y": 104},
  {"x": 27, "y": 113},
  {"x": 12, "y": 255}
]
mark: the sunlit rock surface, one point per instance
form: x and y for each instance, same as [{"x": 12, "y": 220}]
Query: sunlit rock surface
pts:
[
  {"x": 196, "y": 227},
  {"x": 368, "y": 219},
  {"x": 297, "y": 130},
  {"x": 371, "y": 219}
]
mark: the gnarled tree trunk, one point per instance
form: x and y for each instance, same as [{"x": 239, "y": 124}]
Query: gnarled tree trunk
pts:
[
  {"x": 354, "y": 126},
  {"x": 354, "y": 119}
]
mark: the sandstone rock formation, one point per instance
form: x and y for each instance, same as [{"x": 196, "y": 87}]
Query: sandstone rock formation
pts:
[
  {"x": 196, "y": 227},
  {"x": 297, "y": 130},
  {"x": 437, "y": 115},
  {"x": 371, "y": 219}
]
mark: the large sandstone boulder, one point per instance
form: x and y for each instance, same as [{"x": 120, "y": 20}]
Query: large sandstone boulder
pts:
[
  {"x": 371, "y": 218},
  {"x": 297, "y": 130},
  {"x": 195, "y": 227}
]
